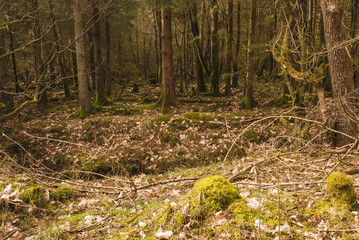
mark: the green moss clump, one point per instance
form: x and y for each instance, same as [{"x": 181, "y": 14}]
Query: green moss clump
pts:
[
  {"x": 62, "y": 194},
  {"x": 34, "y": 195},
  {"x": 198, "y": 116},
  {"x": 340, "y": 189},
  {"x": 241, "y": 212},
  {"x": 211, "y": 194},
  {"x": 97, "y": 165}
]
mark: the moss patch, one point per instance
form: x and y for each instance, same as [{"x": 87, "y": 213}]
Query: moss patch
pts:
[
  {"x": 34, "y": 195},
  {"x": 211, "y": 194},
  {"x": 340, "y": 189}
]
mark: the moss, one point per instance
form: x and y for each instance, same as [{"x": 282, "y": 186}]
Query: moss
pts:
[
  {"x": 251, "y": 136},
  {"x": 198, "y": 116},
  {"x": 240, "y": 211},
  {"x": 62, "y": 194},
  {"x": 81, "y": 113},
  {"x": 162, "y": 118},
  {"x": 211, "y": 194},
  {"x": 340, "y": 189},
  {"x": 147, "y": 100},
  {"x": 34, "y": 195},
  {"x": 97, "y": 165}
]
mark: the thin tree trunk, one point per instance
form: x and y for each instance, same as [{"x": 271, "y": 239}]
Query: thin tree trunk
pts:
[
  {"x": 100, "y": 92},
  {"x": 248, "y": 100},
  {"x": 168, "y": 97},
  {"x": 14, "y": 65},
  {"x": 238, "y": 45},
  {"x": 84, "y": 97},
  {"x": 201, "y": 84},
  {"x": 229, "y": 49},
  {"x": 340, "y": 68},
  {"x": 91, "y": 55},
  {"x": 5, "y": 97},
  {"x": 40, "y": 92},
  {"x": 60, "y": 54},
  {"x": 108, "y": 58},
  {"x": 214, "y": 49}
]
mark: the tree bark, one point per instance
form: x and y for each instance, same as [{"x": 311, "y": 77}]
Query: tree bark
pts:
[
  {"x": 108, "y": 58},
  {"x": 168, "y": 96},
  {"x": 341, "y": 72},
  {"x": 100, "y": 92},
  {"x": 40, "y": 92},
  {"x": 229, "y": 49},
  {"x": 214, "y": 80},
  {"x": 60, "y": 54},
  {"x": 81, "y": 59},
  {"x": 248, "y": 100},
  {"x": 201, "y": 85},
  {"x": 5, "y": 98}
]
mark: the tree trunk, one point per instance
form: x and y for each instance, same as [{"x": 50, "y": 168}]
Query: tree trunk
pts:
[
  {"x": 40, "y": 92},
  {"x": 108, "y": 58},
  {"x": 14, "y": 65},
  {"x": 168, "y": 96},
  {"x": 248, "y": 100},
  {"x": 341, "y": 72},
  {"x": 229, "y": 49},
  {"x": 60, "y": 54},
  {"x": 201, "y": 85},
  {"x": 100, "y": 92},
  {"x": 84, "y": 98},
  {"x": 235, "y": 78},
  {"x": 354, "y": 16},
  {"x": 5, "y": 97},
  {"x": 214, "y": 49}
]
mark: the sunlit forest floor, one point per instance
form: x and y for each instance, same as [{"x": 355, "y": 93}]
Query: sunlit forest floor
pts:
[{"x": 126, "y": 172}]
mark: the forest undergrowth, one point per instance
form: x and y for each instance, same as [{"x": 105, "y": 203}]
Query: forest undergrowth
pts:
[{"x": 127, "y": 172}]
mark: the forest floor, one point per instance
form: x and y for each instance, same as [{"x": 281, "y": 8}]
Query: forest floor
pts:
[{"x": 127, "y": 172}]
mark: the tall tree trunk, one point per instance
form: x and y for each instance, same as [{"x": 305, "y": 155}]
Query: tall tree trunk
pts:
[
  {"x": 60, "y": 54},
  {"x": 5, "y": 97},
  {"x": 74, "y": 68},
  {"x": 238, "y": 45},
  {"x": 341, "y": 72},
  {"x": 214, "y": 49},
  {"x": 168, "y": 96},
  {"x": 14, "y": 65},
  {"x": 90, "y": 35},
  {"x": 84, "y": 97},
  {"x": 39, "y": 65},
  {"x": 229, "y": 49},
  {"x": 248, "y": 100},
  {"x": 100, "y": 92},
  {"x": 354, "y": 16},
  {"x": 201, "y": 85},
  {"x": 159, "y": 36},
  {"x": 108, "y": 58}
]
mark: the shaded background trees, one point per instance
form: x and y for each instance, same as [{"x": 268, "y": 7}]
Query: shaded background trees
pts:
[{"x": 219, "y": 46}]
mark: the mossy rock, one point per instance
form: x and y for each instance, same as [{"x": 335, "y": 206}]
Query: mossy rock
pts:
[
  {"x": 210, "y": 195},
  {"x": 34, "y": 195},
  {"x": 62, "y": 194},
  {"x": 340, "y": 189}
]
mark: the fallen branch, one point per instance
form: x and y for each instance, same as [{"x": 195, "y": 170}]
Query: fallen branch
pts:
[{"x": 18, "y": 109}]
